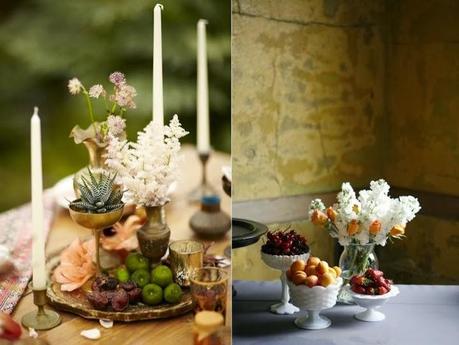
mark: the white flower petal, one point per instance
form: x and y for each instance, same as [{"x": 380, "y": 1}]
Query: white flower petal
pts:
[{"x": 92, "y": 334}]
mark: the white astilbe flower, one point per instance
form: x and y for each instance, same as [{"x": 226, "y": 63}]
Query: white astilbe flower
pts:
[{"x": 148, "y": 167}]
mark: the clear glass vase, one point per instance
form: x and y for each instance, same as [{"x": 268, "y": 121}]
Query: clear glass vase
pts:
[{"x": 355, "y": 259}]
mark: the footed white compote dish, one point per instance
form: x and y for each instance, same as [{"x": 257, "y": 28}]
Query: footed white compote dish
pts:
[
  {"x": 313, "y": 301},
  {"x": 370, "y": 303},
  {"x": 283, "y": 263}
]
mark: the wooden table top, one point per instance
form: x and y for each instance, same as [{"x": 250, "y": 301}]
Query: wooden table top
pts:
[{"x": 178, "y": 212}]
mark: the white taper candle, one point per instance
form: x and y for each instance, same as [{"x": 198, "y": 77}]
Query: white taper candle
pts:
[
  {"x": 202, "y": 102},
  {"x": 158, "y": 106},
  {"x": 38, "y": 242}
]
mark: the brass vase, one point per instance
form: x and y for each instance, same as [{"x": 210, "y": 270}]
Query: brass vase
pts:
[
  {"x": 96, "y": 153},
  {"x": 154, "y": 235}
]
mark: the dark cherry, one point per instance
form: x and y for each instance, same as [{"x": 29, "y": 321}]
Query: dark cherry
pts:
[
  {"x": 134, "y": 295},
  {"x": 120, "y": 300},
  {"x": 98, "y": 300},
  {"x": 128, "y": 286}
]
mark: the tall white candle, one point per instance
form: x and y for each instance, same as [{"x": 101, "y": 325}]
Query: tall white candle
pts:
[
  {"x": 158, "y": 107},
  {"x": 38, "y": 243},
  {"x": 202, "y": 101}
]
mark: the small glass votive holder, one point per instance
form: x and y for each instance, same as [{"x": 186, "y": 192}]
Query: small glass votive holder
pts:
[
  {"x": 185, "y": 257},
  {"x": 209, "y": 289}
]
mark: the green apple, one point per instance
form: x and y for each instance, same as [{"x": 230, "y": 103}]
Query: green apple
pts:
[
  {"x": 161, "y": 275},
  {"x": 152, "y": 294}
]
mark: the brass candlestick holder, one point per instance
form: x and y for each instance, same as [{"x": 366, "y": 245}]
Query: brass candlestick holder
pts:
[
  {"x": 97, "y": 222},
  {"x": 204, "y": 188},
  {"x": 41, "y": 319}
]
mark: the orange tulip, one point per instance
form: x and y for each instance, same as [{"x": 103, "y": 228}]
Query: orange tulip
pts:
[
  {"x": 319, "y": 218},
  {"x": 375, "y": 227},
  {"x": 331, "y": 213},
  {"x": 397, "y": 231},
  {"x": 353, "y": 227}
]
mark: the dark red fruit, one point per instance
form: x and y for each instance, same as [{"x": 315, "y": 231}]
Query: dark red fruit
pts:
[
  {"x": 98, "y": 300},
  {"x": 128, "y": 286},
  {"x": 382, "y": 290},
  {"x": 286, "y": 242},
  {"x": 135, "y": 295},
  {"x": 120, "y": 300},
  {"x": 358, "y": 289}
]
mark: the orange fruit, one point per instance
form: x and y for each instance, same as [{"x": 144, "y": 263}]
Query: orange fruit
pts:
[
  {"x": 337, "y": 270},
  {"x": 311, "y": 281},
  {"x": 313, "y": 261},
  {"x": 326, "y": 279},
  {"x": 298, "y": 265},
  {"x": 299, "y": 277},
  {"x": 322, "y": 267},
  {"x": 310, "y": 270},
  {"x": 289, "y": 274}
]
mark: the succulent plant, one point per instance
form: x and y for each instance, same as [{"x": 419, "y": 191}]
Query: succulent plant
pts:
[{"x": 98, "y": 194}]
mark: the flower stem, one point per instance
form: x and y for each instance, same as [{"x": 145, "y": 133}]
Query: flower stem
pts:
[{"x": 91, "y": 111}]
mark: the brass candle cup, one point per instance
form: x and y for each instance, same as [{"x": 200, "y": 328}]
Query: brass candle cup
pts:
[
  {"x": 97, "y": 222},
  {"x": 185, "y": 257},
  {"x": 41, "y": 319},
  {"x": 209, "y": 289}
]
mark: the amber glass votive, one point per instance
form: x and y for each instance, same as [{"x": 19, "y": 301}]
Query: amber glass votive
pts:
[
  {"x": 209, "y": 288},
  {"x": 185, "y": 257}
]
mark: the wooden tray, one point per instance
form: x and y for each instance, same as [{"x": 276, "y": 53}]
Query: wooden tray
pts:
[{"x": 75, "y": 302}]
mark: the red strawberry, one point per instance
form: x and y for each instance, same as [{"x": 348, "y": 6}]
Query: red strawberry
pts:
[
  {"x": 358, "y": 289},
  {"x": 382, "y": 290},
  {"x": 373, "y": 274},
  {"x": 360, "y": 280},
  {"x": 381, "y": 282},
  {"x": 9, "y": 329}
]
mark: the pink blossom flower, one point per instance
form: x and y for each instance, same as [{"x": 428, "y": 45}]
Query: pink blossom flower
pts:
[
  {"x": 124, "y": 238},
  {"x": 76, "y": 266},
  {"x": 117, "y": 78},
  {"x": 75, "y": 86},
  {"x": 116, "y": 125},
  {"x": 96, "y": 91},
  {"x": 124, "y": 96}
]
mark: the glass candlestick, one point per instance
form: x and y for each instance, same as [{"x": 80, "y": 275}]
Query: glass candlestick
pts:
[
  {"x": 204, "y": 188},
  {"x": 41, "y": 319}
]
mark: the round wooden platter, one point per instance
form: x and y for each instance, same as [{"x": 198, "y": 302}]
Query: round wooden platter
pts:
[{"x": 75, "y": 302}]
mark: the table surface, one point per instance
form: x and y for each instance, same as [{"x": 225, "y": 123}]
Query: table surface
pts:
[
  {"x": 171, "y": 331},
  {"x": 420, "y": 314}
]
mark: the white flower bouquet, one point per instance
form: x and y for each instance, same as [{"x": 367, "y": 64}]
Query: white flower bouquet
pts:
[
  {"x": 148, "y": 167},
  {"x": 370, "y": 218}
]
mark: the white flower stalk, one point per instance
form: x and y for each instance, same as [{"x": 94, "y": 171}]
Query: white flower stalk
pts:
[{"x": 148, "y": 167}]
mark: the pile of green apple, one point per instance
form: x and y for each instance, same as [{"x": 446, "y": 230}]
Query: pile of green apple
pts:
[{"x": 157, "y": 285}]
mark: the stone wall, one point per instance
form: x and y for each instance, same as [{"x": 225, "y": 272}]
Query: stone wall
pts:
[{"x": 307, "y": 95}]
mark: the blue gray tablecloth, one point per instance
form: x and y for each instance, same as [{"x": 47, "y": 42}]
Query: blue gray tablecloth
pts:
[{"x": 420, "y": 314}]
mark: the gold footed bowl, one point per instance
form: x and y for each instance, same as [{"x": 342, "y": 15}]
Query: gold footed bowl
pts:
[{"x": 97, "y": 222}]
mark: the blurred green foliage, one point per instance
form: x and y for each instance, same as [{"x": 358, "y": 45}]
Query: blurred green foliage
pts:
[{"x": 43, "y": 43}]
